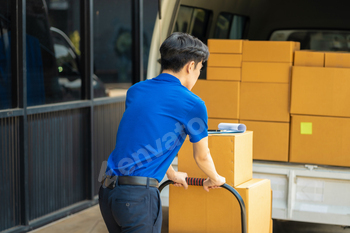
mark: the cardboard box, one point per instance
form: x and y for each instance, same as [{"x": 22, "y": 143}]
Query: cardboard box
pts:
[
  {"x": 224, "y": 73},
  {"x": 225, "y": 46},
  {"x": 269, "y": 51},
  {"x": 341, "y": 60},
  {"x": 271, "y": 226},
  {"x": 266, "y": 72},
  {"x": 320, "y": 140},
  {"x": 195, "y": 210},
  {"x": 320, "y": 91},
  {"x": 214, "y": 122},
  {"x": 225, "y": 60},
  {"x": 220, "y": 97},
  {"x": 309, "y": 58},
  {"x": 232, "y": 155},
  {"x": 264, "y": 102},
  {"x": 271, "y": 140}
]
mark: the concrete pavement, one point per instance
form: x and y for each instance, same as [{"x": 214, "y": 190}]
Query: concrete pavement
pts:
[
  {"x": 87, "y": 221},
  {"x": 90, "y": 221}
]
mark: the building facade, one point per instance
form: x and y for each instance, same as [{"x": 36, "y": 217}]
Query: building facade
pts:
[{"x": 65, "y": 66}]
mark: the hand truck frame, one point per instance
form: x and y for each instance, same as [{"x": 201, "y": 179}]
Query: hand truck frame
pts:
[{"x": 199, "y": 182}]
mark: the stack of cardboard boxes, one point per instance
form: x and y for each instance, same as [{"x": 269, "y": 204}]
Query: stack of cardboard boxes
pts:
[
  {"x": 320, "y": 108},
  {"x": 250, "y": 82},
  {"x": 265, "y": 96},
  {"x": 195, "y": 210},
  {"x": 255, "y": 92},
  {"x": 220, "y": 91}
]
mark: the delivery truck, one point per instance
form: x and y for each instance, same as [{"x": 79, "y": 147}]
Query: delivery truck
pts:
[{"x": 304, "y": 153}]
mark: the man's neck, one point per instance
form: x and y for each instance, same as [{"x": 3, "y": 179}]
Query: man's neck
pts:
[{"x": 178, "y": 75}]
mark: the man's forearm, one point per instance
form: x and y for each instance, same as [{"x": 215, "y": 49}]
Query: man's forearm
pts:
[
  {"x": 170, "y": 172},
  {"x": 206, "y": 164}
]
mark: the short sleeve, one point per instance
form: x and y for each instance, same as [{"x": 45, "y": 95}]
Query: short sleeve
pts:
[
  {"x": 128, "y": 98},
  {"x": 196, "y": 123}
]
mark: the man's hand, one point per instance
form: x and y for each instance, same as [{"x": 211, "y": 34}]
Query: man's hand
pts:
[
  {"x": 211, "y": 184},
  {"x": 179, "y": 178}
]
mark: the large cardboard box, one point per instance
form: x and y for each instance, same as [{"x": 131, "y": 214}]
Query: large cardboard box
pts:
[
  {"x": 341, "y": 60},
  {"x": 320, "y": 91},
  {"x": 309, "y": 58},
  {"x": 195, "y": 210},
  {"x": 264, "y": 102},
  {"x": 224, "y": 73},
  {"x": 220, "y": 97},
  {"x": 213, "y": 123},
  {"x": 271, "y": 223},
  {"x": 225, "y": 46},
  {"x": 271, "y": 140},
  {"x": 266, "y": 72},
  {"x": 320, "y": 140},
  {"x": 269, "y": 51},
  {"x": 271, "y": 226},
  {"x": 232, "y": 155},
  {"x": 225, "y": 60}
]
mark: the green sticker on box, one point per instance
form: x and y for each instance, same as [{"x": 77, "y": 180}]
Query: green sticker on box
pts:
[{"x": 305, "y": 127}]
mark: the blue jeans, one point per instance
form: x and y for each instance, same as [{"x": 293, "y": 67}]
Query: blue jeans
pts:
[{"x": 131, "y": 208}]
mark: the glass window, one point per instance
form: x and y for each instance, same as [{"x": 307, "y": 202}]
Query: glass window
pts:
[
  {"x": 222, "y": 28},
  {"x": 113, "y": 42},
  {"x": 69, "y": 77},
  {"x": 193, "y": 21},
  {"x": 237, "y": 27},
  {"x": 5, "y": 55},
  {"x": 318, "y": 40},
  {"x": 199, "y": 25},
  {"x": 183, "y": 20},
  {"x": 230, "y": 26},
  {"x": 53, "y": 45}
]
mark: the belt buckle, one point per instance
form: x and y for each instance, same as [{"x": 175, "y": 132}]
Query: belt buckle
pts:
[{"x": 109, "y": 180}]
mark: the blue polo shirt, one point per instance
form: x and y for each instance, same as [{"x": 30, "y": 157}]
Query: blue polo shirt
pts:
[{"x": 159, "y": 114}]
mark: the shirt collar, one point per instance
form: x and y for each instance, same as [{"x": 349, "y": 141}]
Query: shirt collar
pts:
[{"x": 168, "y": 78}]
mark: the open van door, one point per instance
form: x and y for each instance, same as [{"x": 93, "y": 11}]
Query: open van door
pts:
[{"x": 202, "y": 19}]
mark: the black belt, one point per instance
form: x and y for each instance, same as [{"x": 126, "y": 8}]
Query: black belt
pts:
[{"x": 109, "y": 181}]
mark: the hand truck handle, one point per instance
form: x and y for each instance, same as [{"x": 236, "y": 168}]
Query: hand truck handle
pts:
[{"x": 199, "y": 182}]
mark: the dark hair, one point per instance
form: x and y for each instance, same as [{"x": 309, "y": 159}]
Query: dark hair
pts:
[{"x": 179, "y": 49}]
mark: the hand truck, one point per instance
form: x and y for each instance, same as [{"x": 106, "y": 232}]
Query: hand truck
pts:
[{"x": 199, "y": 182}]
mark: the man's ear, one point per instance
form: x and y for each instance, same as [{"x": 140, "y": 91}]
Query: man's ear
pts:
[{"x": 190, "y": 66}]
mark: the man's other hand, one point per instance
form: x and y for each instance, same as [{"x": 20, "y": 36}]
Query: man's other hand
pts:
[
  {"x": 213, "y": 184},
  {"x": 179, "y": 179}
]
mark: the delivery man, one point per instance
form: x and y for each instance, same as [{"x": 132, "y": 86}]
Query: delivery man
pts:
[{"x": 159, "y": 114}]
